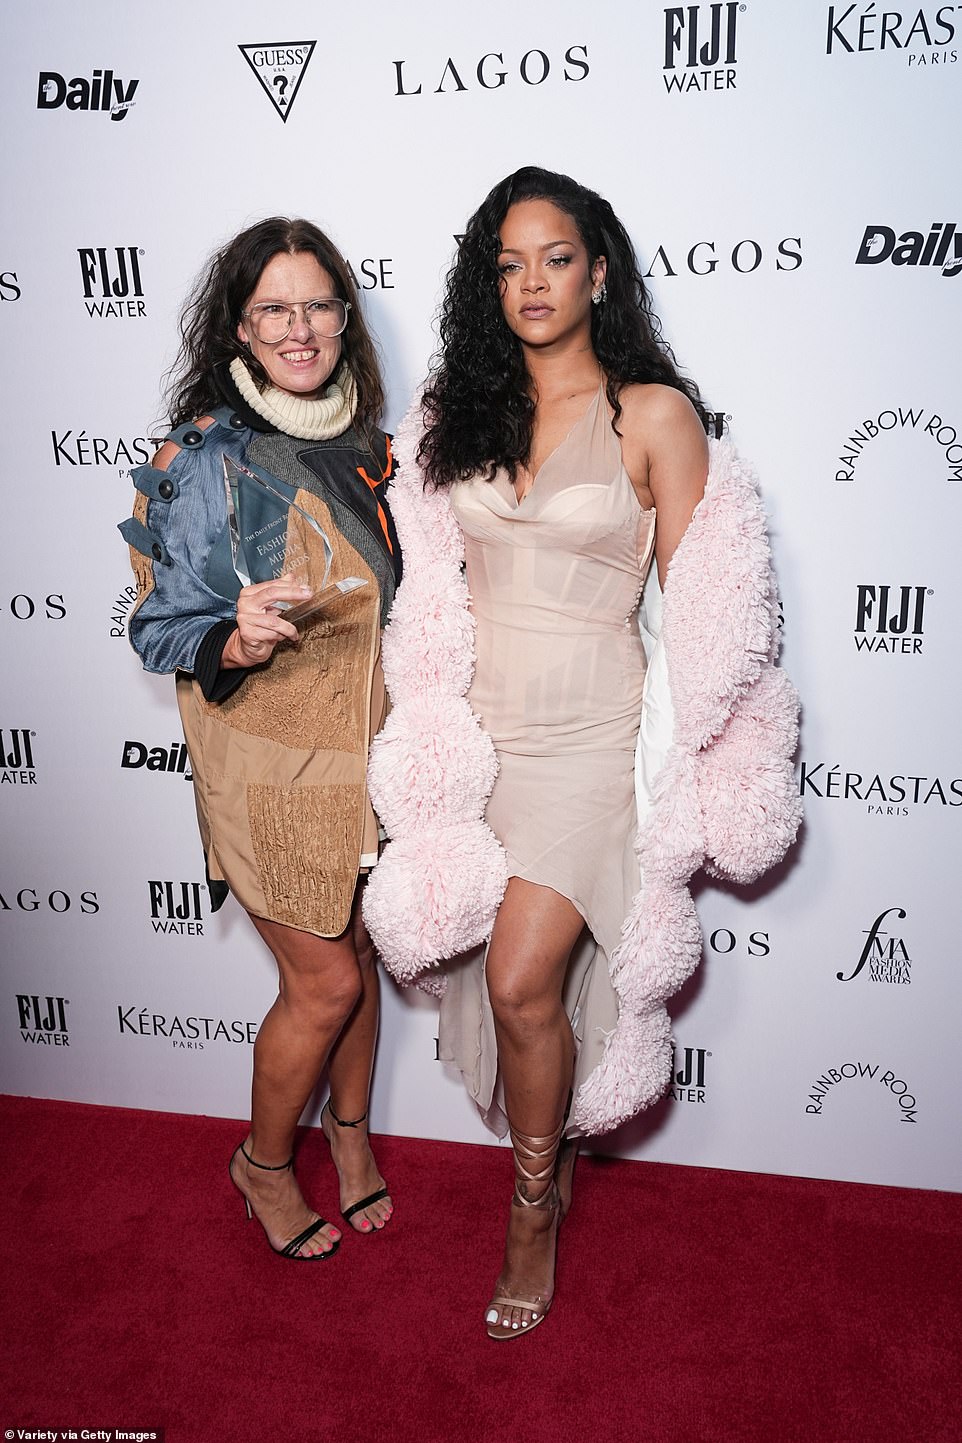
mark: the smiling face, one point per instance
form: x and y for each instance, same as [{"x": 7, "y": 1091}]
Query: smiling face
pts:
[
  {"x": 302, "y": 363},
  {"x": 547, "y": 276}
]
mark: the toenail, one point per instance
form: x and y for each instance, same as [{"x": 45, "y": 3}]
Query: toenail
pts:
[
  {"x": 524, "y": 1322},
  {"x": 514, "y": 1325},
  {"x": 492, "y": 1316}
]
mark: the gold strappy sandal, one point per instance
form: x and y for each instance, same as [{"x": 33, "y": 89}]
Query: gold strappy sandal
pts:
[{"x": 541, "y": 1150}]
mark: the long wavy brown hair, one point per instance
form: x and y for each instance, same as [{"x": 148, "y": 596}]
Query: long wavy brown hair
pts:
[{"x": 209, "y": 319}]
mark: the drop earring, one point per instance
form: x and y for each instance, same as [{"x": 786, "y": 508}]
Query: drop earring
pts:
[{"x": 601, "y": 294}]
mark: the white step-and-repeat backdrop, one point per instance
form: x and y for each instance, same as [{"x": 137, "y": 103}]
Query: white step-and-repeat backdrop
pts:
[{"x": 785, "y": 171}]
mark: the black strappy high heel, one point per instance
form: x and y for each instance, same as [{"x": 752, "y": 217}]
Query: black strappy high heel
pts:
[
  {"x": 382, "y": 1192},
  {"x": 289, "y": 1250}
]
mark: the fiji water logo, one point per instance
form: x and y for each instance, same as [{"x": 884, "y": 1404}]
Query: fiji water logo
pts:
[
  {"x": 112, "y": 282},
  {"x": 176, "y": 908},
  {"x": 701, "y": 47},
  {"x": 890, "y": 618},
  {"x": 16, "y": 757},
  {"x": 43, "y": 1020},
  {"x": 688, "y": 1078}
]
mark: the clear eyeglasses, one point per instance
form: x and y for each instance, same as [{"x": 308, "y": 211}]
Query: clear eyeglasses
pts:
[{"x": 271, "y": 321}]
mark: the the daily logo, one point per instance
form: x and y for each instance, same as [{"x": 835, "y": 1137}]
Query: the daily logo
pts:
[
  {"x": 744, "y": 257},
  {"x": 43, "y": 1020},
  {"x": 104, "y": 91},
  {"x": 175, "y": 907},
  {"x": 890, "y": 618},
  {"x": 279, "y": 66},
  {"x": 112, "y": 283},
  {"x": 903, "y": 418},
  {"x": 688, "y": 1079},
  {"x": 940, "y": 247},
  {"x": 16, "y": 757},
  {"x": 491, "y": 71},
  {"x": 157, "y": 759},
  {"x": 700, "y": 43},
  {"x": 920, "y": 33},
  {"x": 884, "y": 951}
]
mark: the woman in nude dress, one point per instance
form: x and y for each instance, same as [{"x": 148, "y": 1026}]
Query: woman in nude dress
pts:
[{"x": 559, "y": 422}]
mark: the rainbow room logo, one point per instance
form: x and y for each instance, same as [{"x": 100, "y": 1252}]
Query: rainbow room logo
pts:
[
  {"x": 932, "y": 430},
  {"x": 279, "y": 66},
  {"x": 864, "y": 1074}
]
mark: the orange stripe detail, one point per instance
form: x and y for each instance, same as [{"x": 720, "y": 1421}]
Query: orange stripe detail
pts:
[{"x": 380, "y": 509}]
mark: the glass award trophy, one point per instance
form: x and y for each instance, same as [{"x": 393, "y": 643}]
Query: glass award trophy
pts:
[{"x": 271, "y": 536}]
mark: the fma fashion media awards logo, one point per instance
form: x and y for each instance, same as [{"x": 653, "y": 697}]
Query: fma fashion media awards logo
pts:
[
  {"x": 890, "y": 620},
  {"x": 885, "y": 952},
  {"x": 922, "y": 36},
  {"x": 701, "y": 47},
  {"x": 103, "y": 92},
  {"x": 279, "y": 66},
  {"x": 112, "y": 281}
]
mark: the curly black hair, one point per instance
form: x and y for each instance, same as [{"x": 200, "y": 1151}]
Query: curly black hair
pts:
[
  {"x": 208, "y": 322},
  {"x": 477, "y": 406}
]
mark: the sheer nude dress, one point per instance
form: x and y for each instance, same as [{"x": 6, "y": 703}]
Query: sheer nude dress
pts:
[{"x": 554, "y": 582}]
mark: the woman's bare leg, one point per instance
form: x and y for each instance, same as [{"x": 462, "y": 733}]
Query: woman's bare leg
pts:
[
  {"x": 351, "y": 1060},
  {"x": 527, "y": 960},
  {"x": 319, "y": 985}
]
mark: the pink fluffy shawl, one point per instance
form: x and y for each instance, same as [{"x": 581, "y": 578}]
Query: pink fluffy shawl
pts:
[{"x": 724, "y": 797}]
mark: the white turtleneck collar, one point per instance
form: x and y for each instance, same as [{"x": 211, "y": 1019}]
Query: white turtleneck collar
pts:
[{"x": 307, "y": 418}]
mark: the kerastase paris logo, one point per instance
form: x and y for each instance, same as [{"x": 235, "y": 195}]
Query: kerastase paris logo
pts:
[
  {"x": 886, "y": 953},
  {"x": 112, "y": 283},
  {"x": 279, "y": 66},
  {"x": 940, "y": 248},
  {"x": 920, "y": 34},
  {"x": 104, "y": 91},
  {"x": 864, "y": 1072},
  {"x": 176, "y": 907},
  {"x": 688, "y": 1077},
  {"x": 700, "y": 47},
  {"x": 490, "y": 71},
  {"x": 890, "y": 619},
  {"x": 157, "y": 759},
  {"x": 76, "y": 448},
  {"x": 16, "y": 757},
  {"x": 189, "y": 1033},
  {"x": 43, "y": 1020},
  {"x": 881, "y": 796},
  {"x": 903, "y": 418}
]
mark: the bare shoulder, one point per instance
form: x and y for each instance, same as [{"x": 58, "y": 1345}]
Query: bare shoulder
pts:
[
  {"x": 659, "y": 408},
  {"x": 170, "y": 449}
]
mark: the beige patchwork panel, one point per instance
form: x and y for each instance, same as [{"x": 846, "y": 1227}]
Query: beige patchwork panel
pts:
[
  {"x": 141, "y": 565},
  {"x": 305, "y": 885}
]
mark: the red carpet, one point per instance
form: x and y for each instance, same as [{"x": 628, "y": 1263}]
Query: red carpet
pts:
[{"x": 692, "y": 1304}]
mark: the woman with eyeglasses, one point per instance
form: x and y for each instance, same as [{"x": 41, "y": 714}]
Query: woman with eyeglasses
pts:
[{"x": 266, "y": 561}]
